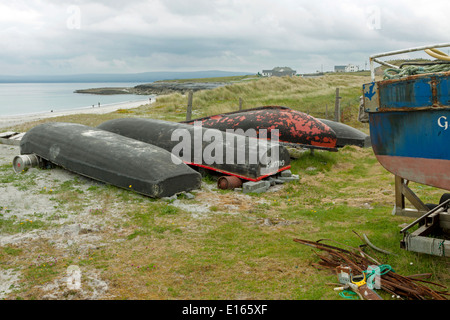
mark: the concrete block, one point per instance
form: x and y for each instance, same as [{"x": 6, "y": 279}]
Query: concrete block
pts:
[
  {"x": 273, "y": 181},
  {"x": 257, "y": 187},
  {"x": 291, "y": 178},
  {"x": 286, "y": 173}
]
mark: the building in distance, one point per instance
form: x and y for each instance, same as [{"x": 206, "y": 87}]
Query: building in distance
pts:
[
  {"x": 347, "y": 68},
  {"x": 279, "y": 72}
]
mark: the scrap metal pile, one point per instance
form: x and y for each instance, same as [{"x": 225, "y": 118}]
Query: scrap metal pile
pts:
[{"x": 405, "y": 287}]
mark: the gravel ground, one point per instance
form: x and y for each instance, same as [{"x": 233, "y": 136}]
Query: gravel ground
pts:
[
  {"x": 34, "y": 196},
  {"x": 26, "y": 203}
]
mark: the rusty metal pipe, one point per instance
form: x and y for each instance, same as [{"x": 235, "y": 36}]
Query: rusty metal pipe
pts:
[{"x": 229, "y": 182}]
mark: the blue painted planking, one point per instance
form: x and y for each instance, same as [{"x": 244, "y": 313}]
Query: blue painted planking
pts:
[
  {"x": 410, "y": 132},
  {"x": 406, "y": 94},
  {"x": 443, "y": 91},
  {"x": 410, "y": 126},
  {"x": 419, "y": 134},
  {"x": 413, "y": 92}
]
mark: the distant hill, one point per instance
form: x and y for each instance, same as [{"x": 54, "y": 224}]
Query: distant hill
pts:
[{"x": 145, "y": 77}]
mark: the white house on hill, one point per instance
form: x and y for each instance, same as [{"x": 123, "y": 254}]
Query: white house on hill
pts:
[
  {"x": 347, "y": 68},
  {"x": 351, "y": 68},
  {"x": 279, "y": 72}
]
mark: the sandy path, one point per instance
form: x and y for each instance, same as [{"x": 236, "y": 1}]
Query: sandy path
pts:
[{"x": 9, "y": 121}]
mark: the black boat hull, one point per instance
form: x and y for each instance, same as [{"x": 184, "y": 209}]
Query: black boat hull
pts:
[
  {"x": 110, "y": 158},
  {"x": 258, "y": 160},
  {"x": 347, "y": 135}
]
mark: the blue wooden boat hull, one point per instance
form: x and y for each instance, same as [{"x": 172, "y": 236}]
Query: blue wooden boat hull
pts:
[{"x": 410, "y": 127}]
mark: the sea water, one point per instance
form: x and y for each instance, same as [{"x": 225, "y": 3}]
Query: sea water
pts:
[{"x": 29, "y": 98}]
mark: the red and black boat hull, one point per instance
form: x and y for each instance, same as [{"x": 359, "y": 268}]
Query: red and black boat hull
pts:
[{"x": 294, "y": 127}]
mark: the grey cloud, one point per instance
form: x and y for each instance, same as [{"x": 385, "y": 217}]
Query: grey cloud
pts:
[{"x": 139, "y": 35}]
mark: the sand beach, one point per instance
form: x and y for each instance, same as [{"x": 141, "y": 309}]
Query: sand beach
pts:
[{"x": 9, "y": 121}]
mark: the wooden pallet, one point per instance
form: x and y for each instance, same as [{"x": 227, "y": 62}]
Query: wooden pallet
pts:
[{"x": 11, "y": 137}]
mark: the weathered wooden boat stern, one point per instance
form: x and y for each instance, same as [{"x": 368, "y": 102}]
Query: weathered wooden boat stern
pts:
[
  {"x": 409, "y": 117},
  {"x": 410, "y": 126}
]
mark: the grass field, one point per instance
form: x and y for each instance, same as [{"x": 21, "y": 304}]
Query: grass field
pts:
[{"x": 221, "y": 244}]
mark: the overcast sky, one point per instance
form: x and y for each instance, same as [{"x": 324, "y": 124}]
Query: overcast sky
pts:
[{"x": 70, "y": 37}]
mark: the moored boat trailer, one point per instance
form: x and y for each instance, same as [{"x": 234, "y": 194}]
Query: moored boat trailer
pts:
[
  {"x": 409, "y": 128},
  {"x": 435, "y": 222}
]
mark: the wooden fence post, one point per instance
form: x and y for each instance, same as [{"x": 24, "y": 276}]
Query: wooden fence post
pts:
[
  {"x": 337, "y": 107},
  {"x": 189, "y": 106}
]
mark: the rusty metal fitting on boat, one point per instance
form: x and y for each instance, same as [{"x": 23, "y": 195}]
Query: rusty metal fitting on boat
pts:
[{"x": 229, "y": 182}]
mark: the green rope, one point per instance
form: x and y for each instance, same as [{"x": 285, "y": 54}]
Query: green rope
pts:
[
  {"x": 379, "y": 271},
  {"x": 348, "y": 294},
  {"x": 384, "y": 268},
  {"x": 392, "y": 73}
]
